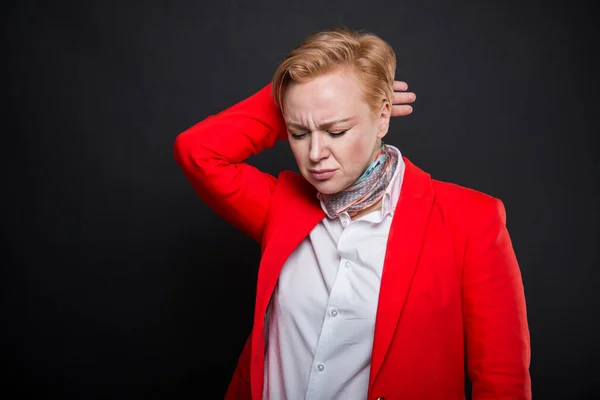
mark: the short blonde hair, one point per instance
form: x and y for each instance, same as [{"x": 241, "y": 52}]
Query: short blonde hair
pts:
[{"x": 369, "y": 57}]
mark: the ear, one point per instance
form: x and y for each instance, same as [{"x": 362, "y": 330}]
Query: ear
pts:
[{"x": 383, "y": 118}]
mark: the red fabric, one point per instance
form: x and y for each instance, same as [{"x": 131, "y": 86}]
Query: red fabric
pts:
[{"x": 451, "y": 287}]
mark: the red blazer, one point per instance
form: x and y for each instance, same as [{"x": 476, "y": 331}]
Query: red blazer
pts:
[{"x": 451, "y": 290}]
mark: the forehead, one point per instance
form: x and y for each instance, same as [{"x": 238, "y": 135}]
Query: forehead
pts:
[{"x": 325, "y": 96}]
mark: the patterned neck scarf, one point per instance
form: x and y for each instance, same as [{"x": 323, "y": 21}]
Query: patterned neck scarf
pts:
[{"x": 367, "y": 190}]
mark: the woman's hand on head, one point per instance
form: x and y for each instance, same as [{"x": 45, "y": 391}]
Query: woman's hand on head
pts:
[{"x": 401, "y": 99}]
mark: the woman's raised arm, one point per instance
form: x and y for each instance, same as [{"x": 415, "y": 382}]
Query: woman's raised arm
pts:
[{"x": 212, "y": 155}]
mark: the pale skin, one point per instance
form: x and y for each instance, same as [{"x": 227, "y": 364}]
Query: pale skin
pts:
[{"x": 332, "y": 156}]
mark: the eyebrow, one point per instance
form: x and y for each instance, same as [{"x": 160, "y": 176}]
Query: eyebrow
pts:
[{"x": 325, "y": 125}]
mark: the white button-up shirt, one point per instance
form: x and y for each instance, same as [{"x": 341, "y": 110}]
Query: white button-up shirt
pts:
[{"x": 321, "y": 320}]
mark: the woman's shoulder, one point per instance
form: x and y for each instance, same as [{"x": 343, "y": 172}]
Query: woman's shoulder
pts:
[
  {"x": 448, "y": 193},
  {"x": 453, "y": 192},
  {"x": 466, "y": 203}
]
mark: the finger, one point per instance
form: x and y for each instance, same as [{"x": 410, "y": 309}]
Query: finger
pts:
[
  {"x": 400, "y": 85},
  {"x": 401, "y": 111},
  {"x": 403, "y": 98}
]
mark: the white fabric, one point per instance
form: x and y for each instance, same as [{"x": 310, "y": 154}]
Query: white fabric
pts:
[{"x": 321, "y": 320}]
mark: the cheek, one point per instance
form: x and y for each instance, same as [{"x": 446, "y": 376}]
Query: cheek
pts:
[{"x": 357, "y": 152}]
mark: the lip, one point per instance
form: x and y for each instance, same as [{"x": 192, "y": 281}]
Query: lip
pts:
[{"x": 321, "y": 174}]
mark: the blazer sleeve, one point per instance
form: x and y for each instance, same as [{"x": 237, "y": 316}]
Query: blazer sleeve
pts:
[
  {"x": 212, "y": 153},
  {"x": 497, "y": 334}
]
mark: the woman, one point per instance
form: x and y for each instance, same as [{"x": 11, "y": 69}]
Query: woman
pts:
[{"x": 375, "y": 280}]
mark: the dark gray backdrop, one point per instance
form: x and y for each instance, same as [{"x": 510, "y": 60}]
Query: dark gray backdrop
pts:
[{"x": 120, "y": 283}]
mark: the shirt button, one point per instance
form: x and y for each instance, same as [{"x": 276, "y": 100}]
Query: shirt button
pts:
[
  {"x": 320, "y": 367},
  {"x": 334, "y": 313},
  {"x": 347, "y": 264}
]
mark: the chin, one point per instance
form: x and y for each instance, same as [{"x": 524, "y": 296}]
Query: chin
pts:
[{"x": 328, "y": 187}]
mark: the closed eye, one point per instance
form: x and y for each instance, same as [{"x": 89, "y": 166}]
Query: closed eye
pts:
[
  {"x": 297, "y": 135},
  {"x": 332, "y": 134}
]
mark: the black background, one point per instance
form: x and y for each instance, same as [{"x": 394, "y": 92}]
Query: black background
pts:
[{"x": 119, "y": 282}]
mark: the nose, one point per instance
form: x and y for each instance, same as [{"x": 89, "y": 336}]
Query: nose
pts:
[{"x": 318, "y": 148}]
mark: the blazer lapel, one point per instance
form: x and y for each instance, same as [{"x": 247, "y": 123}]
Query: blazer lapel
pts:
[
  {"x": 294, "y": 215},
  {"x": 402, "y": 255}
]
